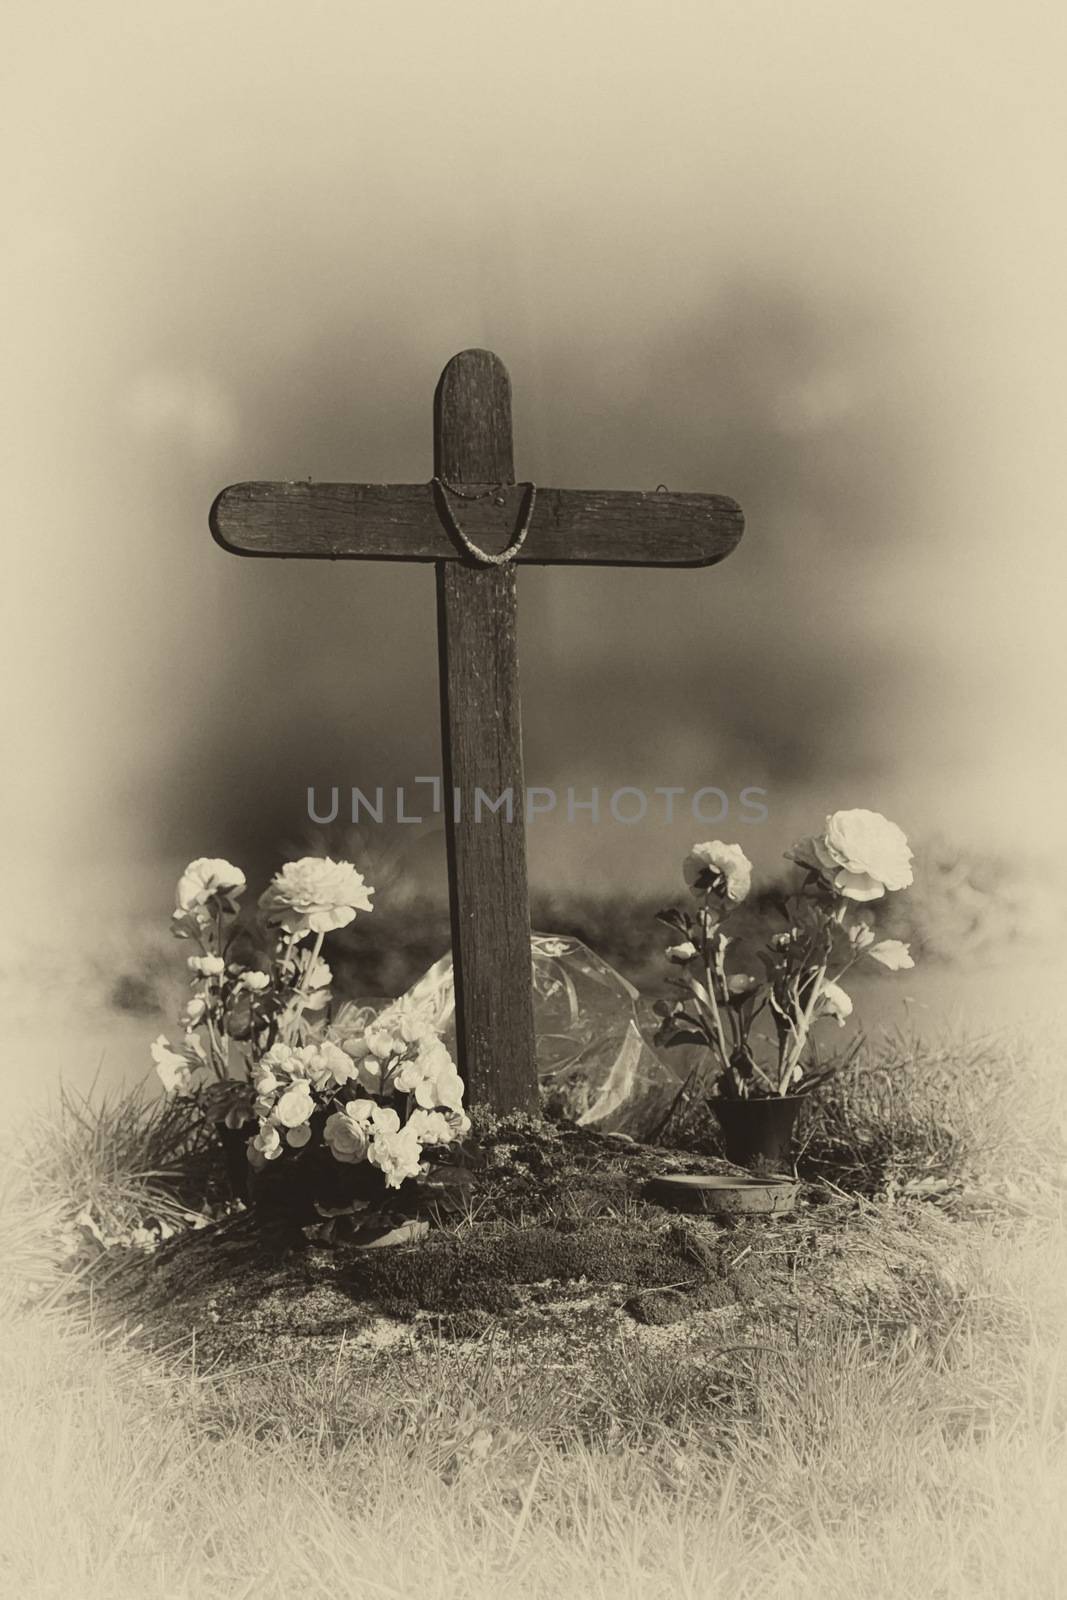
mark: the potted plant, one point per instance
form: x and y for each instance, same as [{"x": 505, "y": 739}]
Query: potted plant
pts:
[
  {"x": 317, "y": 1112},
  {"x": 824, "y": 929}
]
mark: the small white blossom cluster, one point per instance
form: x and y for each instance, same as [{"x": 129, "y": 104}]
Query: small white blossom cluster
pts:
[
  {"x": 859, "y": 857},
  {"x": 399, "y": 1058},
  {"x": 380, "y": 1096}
]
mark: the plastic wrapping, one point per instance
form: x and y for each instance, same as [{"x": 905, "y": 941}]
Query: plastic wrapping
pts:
[{"x": 593, "y": 1060}]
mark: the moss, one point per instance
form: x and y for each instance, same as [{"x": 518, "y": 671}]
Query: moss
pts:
[{"x": 484, "y": 1272}]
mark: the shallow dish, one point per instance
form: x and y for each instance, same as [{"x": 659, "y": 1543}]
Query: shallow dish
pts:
[{"x": 698, "y": 1191}]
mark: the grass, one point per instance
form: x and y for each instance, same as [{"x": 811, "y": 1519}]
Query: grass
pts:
[{"x": 851, "y": 1448}]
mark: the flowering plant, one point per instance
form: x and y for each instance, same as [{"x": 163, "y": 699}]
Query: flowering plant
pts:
[
  {"x": 857, "y": 858},
  {"x": 262, "y": 1050}
]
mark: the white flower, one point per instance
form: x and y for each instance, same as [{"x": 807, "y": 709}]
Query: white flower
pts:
[
  {"x": 446, "y": 1089},
  {"x": 383, "y": 1044},
  {"x": 860, "y": 935},
  {"x": 408, "y": 1077},
  {"x": 861, "y": 855},
  {"x": 264, "y": 1079},
  {"x": 172, "y": 1069},
  {"x": 892, "y": 953},
  {"x": 207, "y": 878},
  {"x": 865, "y": 842},
  {"x": 206, "y": 966},
  {"x": 346, "y": 1136},
  {"x": 432, "y": 1127},
  {"x": 279, "y": 1058},
  {"x": 718, "y": 868},
  {"x": 836, "y": 1003},
  {"x": 294, "y": 1106},
  {"x": 326, "y": 1064},
  {"x": 407, "y": 1021},
  {"x": 298, "y": 1136},
  {"x": 315, "y": 895},
  {"x": 681, "y": 953},
  {"x": 256, "y": 981},
  {"x": 438, "y": 1083},
  {"x": 267, "y": 1142},
  {"x": 193, "y": 1012},
  {"x": 397, "y": 1154},
  {"x": 369, "y": 1073}
]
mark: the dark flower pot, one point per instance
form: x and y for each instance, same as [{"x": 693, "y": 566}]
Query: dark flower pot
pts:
[
  {"x": 758, "y": 1132},
  {"x": 301, "y": 1187}
]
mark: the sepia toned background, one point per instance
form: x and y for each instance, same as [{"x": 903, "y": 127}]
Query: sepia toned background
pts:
[{"x": 811, "y": 257}]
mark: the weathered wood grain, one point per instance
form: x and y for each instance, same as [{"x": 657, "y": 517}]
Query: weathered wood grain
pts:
[
  {"x": 482, "y": 749},
  {"x": 404, "y": 522}
]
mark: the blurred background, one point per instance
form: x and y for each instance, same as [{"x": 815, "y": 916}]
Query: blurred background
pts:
[{"x": 810, "y": 257}]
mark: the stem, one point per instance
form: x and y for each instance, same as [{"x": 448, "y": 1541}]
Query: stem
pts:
[
  {"x": 802, "y": 1030},
  {"x": 300, "y": 997},
  {"x": 219, "y": 1057},
  {"x": 724, "y": 1053}
]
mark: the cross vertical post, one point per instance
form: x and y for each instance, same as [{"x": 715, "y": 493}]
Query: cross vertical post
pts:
[
  {"x": 481, "y": 744},
  {"x": 473, "y": 502}
]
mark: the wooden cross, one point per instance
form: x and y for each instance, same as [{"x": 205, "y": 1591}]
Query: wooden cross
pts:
[{"x": 471, "y": 510}]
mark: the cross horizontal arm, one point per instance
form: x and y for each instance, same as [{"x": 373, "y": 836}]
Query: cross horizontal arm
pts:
[{"x": 407, "y": 522}]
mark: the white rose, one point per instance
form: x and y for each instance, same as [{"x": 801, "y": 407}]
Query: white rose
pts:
[
  {"x": 256, "y": 981},
  {"x": 294, "y": 1106},
  {"x": 346, "y": 1138},
  {"x": 206, "y": 878},
  {"x": 836, "y": 1003},
  {"x": 315, "y": 895},
  {"x": 718, "y": 868},
  {"x": 866, "y": 843},
  {"x": 813, "y": 853},
  {"x": 892, "y": 953},
  {"x": 193, "y": 1012}
]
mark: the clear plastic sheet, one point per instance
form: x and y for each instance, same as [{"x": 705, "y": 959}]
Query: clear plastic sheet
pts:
[{"x": 594, "y": 1062}]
